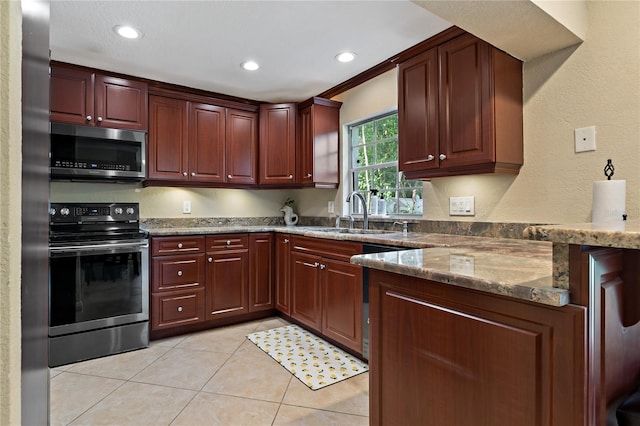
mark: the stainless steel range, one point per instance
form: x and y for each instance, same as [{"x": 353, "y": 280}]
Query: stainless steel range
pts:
[{"x": 98, "y": 281}]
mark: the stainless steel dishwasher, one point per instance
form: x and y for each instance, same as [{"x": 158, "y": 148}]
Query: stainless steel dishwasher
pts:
[{"x": 368, "y": 248}]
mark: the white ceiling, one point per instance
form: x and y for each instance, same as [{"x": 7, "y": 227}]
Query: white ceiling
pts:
[{"x": 201, "y": 44}]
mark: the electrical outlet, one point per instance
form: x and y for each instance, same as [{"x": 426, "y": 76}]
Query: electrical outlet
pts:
[
  {"x": 585, "y": 139},
  {"x": 462, "y": 206},
  {"x": 186, "y": 207},
  {"x": 330, "y": 207}
]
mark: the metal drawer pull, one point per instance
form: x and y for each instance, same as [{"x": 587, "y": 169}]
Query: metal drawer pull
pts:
[
  {"x": 322, "y": 266},
  {"x": 430, "y": 157},
  {"x": 308, "y": 175},
  {"x": 286, "y": 240},
  {"x": 179, "y": 273},
  {"x": 313, "y": 265},
  {"x": 290, "y": 176},
  {"x": 179, "y": 308},
  {"x": 193, "y": 173},
  {"x": 443, "y": 157},
  {"x": 179, "y": 245},
  {"x": 229, "y": 176},
  {"x": 210, "y": 259},
  {"x": 184, "y": 173},
  {"x": 89, "y": 118},
  {"x": 99, "y": 119},
  {"x": 228, "y": 242}
]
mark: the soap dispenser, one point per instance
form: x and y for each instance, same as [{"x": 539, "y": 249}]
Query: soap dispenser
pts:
[{"x": 374, "y": 202}]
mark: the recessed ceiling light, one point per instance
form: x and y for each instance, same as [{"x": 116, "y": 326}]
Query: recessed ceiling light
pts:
[
  {"x": 250, "y": 65},
  {"x": 127, "y": 31},
  {"x": 345, "y": 57}
]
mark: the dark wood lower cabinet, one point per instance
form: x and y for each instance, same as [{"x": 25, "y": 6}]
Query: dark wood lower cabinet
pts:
[
  {"x": 261, "y": 259},
  {"x": 227, "y": 283},
  {"x": 177, "y": 308},
  {"x": 342, "y": 303},
  {"x": 443, "y": 355},
  {"x": 306, "y": 306}
]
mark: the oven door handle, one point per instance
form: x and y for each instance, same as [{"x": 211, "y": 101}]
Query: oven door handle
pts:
[{"x": 112, "y": 247}]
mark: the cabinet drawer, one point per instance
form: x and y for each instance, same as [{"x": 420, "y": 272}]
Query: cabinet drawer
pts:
[
  {"x": 227, "y": 242},
  {"x": 177, "y": 308},
  {"x": 332, "y": 249},
  {"x": 178, "y": 272},
  {"x": 175, "y": 245}
]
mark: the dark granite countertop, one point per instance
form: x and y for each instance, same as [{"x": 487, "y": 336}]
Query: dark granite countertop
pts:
[{"x": 520, "y": 269}]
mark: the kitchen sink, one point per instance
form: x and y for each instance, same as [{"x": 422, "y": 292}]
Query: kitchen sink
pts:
[{"x": 355, "y": 231}]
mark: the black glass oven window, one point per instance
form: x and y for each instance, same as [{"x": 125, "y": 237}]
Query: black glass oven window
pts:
[
  {"x": 89, "y": 153},
  {"x": 90, "y": 287}
]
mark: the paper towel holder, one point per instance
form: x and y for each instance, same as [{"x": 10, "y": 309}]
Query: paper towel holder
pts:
[{"x": 608, "y": 169}]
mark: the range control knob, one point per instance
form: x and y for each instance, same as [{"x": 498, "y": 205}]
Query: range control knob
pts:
[
  {"x": 52, "y": 211},
  {"x": 64, "y": 211},
  {"x": 118, "y": 210},
  {"x": 130, "y": 210}
]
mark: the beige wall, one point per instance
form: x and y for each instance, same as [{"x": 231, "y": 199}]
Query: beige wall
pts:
[
  {"x": 10, "y": 210},
  {"x": 594, "y": 83}
]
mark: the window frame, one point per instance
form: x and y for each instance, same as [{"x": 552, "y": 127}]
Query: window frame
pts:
[{"x": 351, "y": 170}]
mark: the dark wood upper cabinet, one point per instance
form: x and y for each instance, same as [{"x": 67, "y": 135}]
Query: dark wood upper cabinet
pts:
[
  {"x": 277, "y": 151},
  {"x": 206, "y": 142},
  {"x": 168, "y": 139},
  {"x": 318, "y": 131},
  {"x": 195, "y": 142},
  {"x": 241, "y": 147},
  {"x": 460, "y": 110},
  {"x": 82, "y": 96}
]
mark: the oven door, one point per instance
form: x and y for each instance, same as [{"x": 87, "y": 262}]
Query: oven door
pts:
[{"x": 97, "y": 286}]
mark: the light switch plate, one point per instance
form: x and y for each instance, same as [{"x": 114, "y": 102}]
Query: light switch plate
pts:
[
  {"x": 585, "y": 139},
  {"x": 462, "y": 206},
  {"x": 186, "y": 207},
  {"x": 330, "y": 207}
]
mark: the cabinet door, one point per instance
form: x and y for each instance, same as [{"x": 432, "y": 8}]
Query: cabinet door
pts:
[
  {"x": 319, "y": 124},
  {"x": 342, "y": 302},
  {"x": 418, "y": 147},
  {"x": 282, "y": 273},
  {"x": 444, "y": 355},
  {"x": 261, "y": 289},
  {"x": 120, "y": 103},
  {"x": 206, "y": 142},
  {"x": 168, "y": 147},
  {"x": 227, "y": 278},
  {"x": 305, "y": 290},
  {"x": 277, "y": 144},
  {"x": 465, "y": 102},
  {"x": 71, "y": 96},
  {"x": 241, "y": 147}
]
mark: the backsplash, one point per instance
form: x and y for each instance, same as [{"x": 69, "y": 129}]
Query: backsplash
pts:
[{"x": 477, "y": 229}]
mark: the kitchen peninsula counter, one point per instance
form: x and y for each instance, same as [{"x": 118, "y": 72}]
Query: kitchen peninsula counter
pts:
[{"x": 519, "y": 269}]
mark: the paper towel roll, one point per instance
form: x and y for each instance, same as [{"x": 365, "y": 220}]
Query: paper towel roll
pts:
[{"x": 609, "y": 198}]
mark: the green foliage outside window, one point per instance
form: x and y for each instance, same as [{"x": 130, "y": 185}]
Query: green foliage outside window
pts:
[{"x": 374, "y": 166}]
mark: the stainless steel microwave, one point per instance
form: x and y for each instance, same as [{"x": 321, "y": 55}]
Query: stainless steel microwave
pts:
[{"x": 97, "y": 154}]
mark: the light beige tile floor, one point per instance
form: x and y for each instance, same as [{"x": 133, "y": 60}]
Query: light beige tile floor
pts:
[{"x": 215, "y": 377}]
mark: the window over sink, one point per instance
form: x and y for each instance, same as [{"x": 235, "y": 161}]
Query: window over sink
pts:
[{"x": 373, "y": 152}]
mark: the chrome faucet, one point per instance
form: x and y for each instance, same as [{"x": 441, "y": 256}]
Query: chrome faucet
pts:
[{"x": 364, "y": 209}]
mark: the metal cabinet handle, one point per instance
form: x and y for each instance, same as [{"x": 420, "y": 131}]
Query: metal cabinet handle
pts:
[
  {"x": 228, "y": 242},
  {"x": 313, "y": 265},
  {"x": 193, "y": 173},
  {"x": 286, "y": 240},
  {"x": 99, "y": 119},
  {"x": 179, "y": 308},
  {"x": 179, "y": 245},
  {"x": 184, "y": 173},
  {"x": 322, "y": 266},
  {"x": 229, "y": 176},
  {"x": 89, "y": 118},
  {"x": 210, "y": 259},
  {"x": 290, "y": 176},
  {"x": 430, "y": 157},
  {"x": 179, "y": 273},
  {"x": 308, "y": 175},
  {"x": 443, "y": 157}
]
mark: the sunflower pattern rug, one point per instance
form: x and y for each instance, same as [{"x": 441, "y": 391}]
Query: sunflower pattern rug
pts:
[{"x": 314, "y": 361}]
